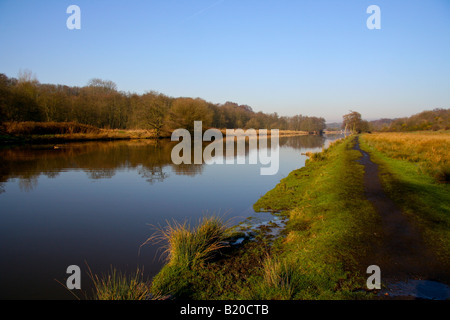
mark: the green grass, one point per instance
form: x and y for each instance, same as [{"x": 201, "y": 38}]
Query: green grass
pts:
[
  {"x": 331, "y": 225},
  {"x": 419, "y": 194}
]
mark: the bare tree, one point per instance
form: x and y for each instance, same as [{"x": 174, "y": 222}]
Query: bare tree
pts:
[{"x": 352, "y": 121}]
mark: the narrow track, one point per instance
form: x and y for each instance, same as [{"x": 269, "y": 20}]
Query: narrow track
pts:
[{"x": 401, "y": 253}]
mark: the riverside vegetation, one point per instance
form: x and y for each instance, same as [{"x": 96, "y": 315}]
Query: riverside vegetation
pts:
[
  {"x": 329, "y": 231},
  {"x": 323, "y": 251},
  {"x": 101, "y": 105}
]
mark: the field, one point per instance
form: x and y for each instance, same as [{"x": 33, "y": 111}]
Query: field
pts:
[{"x": 428, "y": 150}]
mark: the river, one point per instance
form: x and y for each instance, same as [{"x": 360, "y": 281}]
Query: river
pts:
[{"x": 93, "y": 204}]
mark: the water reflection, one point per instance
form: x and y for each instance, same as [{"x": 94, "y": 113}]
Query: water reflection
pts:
[
  {"x": 102, "y": 160},
  {"x": 92, "y": 202}
]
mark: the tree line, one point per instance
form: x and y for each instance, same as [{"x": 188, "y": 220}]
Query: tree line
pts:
[
  {"x": 102, "y": 105},
  {"x": 436, "y": 119}
]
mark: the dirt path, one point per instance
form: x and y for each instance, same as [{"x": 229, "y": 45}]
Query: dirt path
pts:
[{"x": 401, "y": 253}]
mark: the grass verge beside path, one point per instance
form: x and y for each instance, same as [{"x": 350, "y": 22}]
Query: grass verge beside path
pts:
[
  {"x": 412, "y": 169},
  {"x": 331, "y": 225}
]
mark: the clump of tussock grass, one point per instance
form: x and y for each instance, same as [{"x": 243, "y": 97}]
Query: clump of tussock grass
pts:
[
  {"x": 119, "y": 286},
  {"x": 185, "y": 250},
  {"x": 187, "y": 246}
]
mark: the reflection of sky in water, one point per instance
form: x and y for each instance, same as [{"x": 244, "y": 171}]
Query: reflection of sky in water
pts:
[{"x": 74, "y": 210}]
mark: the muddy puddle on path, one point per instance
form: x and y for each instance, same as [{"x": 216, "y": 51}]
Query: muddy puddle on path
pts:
[{"x": 416, "y": 289}]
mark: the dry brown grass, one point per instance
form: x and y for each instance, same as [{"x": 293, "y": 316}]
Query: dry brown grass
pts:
[
  {"x": 430, "y": 150},
  {"x": 42, "y": 128},
  {"x": 281, "y": 133},
  {"x": 70, "y": 131},
  {"x": 119, "y": 286}
]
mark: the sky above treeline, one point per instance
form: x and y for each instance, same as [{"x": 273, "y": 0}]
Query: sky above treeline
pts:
[{"x": 316, "y": 57}]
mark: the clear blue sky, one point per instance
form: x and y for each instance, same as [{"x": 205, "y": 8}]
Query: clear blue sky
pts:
[{"x": 287, "y": 56}]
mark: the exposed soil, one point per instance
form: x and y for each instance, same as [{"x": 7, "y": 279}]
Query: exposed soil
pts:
[{"x": 401, "y": 253}]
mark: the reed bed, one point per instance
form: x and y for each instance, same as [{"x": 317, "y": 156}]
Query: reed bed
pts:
[
  {"x": 70, "y": 131},
  {"x": 42, "y": 128}
]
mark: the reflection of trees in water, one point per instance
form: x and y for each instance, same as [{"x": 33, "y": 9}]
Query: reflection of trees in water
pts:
[
  {"x": 51, "y": 174},
  {"x": 302, "y": 142},
  {"x": 187, "y": 169},
  {"x": 100, "y": 160},
  {"x": 152, "y": 175},
  {"x": 101, "y": 174},
  {"x": 28, "y": 184}
]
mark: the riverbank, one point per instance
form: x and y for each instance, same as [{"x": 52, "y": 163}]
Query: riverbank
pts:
[
  {"x": 334, "y": 232},
  {"x": 62, "y": 132},
  {"x": 320, "y": 254},
  {"x": 328, "y": 227}
]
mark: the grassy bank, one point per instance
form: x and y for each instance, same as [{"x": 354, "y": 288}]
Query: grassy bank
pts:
[
  {"x": 415, "y": 173},
  {"x": 331, "y": 225},
  {"x": 320, "y": 254},
  {"x": 58, "y": 132}
]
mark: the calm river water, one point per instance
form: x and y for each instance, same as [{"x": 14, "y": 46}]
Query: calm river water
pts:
[{"x": 92, "y": 203}]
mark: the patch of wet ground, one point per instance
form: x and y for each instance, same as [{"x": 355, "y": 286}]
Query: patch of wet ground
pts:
[{"x": 269, "y": 224}]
